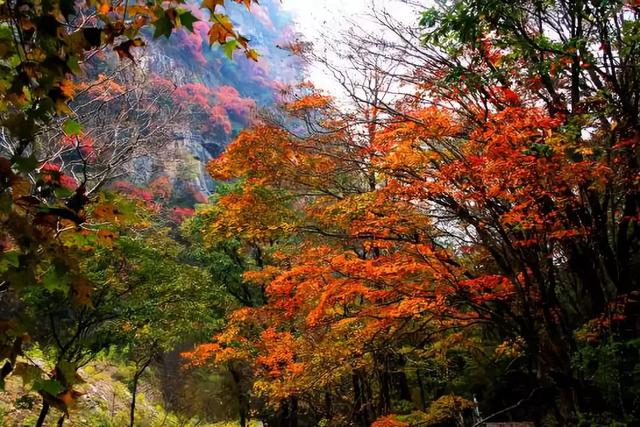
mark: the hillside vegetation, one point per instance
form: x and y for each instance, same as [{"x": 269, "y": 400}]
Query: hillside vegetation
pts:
[{"x": 191, "y": 233}]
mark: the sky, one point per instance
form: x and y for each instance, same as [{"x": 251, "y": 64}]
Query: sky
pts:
[
  {"x": 317, "y": 14},
  {"x": 313, "y": 18}
]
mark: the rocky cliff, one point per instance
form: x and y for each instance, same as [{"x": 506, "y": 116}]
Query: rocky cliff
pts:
[{"x": 216, "y": 96}]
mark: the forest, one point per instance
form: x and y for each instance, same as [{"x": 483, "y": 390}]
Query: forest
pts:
[{"x": 195, "y": 233}]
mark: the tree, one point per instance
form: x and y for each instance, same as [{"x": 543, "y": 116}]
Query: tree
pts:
[
  {"x": 49, "y": 213},
  {"x": 477, "y": 213},
  {"x": 129, "y": 301}
]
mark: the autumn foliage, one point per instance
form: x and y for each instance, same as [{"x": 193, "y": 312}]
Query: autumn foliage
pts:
[
  {"x": 459, "y": 244},
  {"x": 389, "y": 237}
]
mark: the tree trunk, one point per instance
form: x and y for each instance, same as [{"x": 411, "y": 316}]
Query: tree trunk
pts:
[
  {"x": 43, "y": 414},
  {"x": 400, "y": 382},
  {"x": 243, "y": 417},
  {"x": 385, "y": 393},
  {"x": 243, "y": 398},
  {"x": 293, "y": 413},
  {"x": 132, "y": 411},
  {"x": 328, "y": 407},
  {"x": 360, "y": 414},
  {"x": 369, "y": 407},
  {"x": 423, "y": 395},
  {"x": 134, "y": 390},
  {"x": 364, "y": 411}
]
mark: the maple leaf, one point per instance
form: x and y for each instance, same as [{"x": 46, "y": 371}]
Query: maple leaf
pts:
[
  {"x": 247, "y": 3},
  {"x": 251, "y": 54},
  {"x": 67, "y": 87},
  {"x": 106, "y": 212},
  {"x": 104, "y": 8},
  {"x": 81, "y": 290},
  {"x": 124, "y": 49},
  {"x": 221, "y": 29},
  {"x": 211, "y": 4}
]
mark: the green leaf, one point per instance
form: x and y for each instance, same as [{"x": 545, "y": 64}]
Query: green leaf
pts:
[
  {"x": 73, "y": 64},
  {"x": 187, "y": 19},
  {"x": 79, "y": 240},
  {"x": 25, "y": 164},
  {"x": 63, "y": 192},
  {"x": 55, "y": 280},
  {"x": 230, "y": 47},
  {"x": 9, "y": 259},
  {"x": 163, "y": 26},
  {"x": 71, "y": 127},
  {"x": 51, "y": 387},
  {"x": 429, "y": 18},
  {"x": 6, "y": 202}
]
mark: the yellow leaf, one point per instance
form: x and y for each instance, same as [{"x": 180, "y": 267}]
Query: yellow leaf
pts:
[
  {"x": 20, "y": 187},
  {"x": 252, "y": 54},
  {"x": 62, "y": 107}
]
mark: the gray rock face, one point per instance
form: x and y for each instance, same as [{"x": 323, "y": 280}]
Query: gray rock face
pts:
[
  {"x": 195, "y": 173},
  {"x": 185, "y": 154},
  {"x": 157, "y": 62}
]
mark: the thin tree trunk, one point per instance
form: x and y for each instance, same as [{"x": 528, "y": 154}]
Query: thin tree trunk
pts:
[
  {"x": 132, "y": 410},
  {"x": 293, "y": 412},
  {"x": 43, "y": 414},
  {"x": 359, "y": 401},
  {"x": 136, "y": 377},
  {"x": 423, "y": 395},
  {"x": 243, "y": 398},
  {"x": 370, "y": 409},
  {"x": 327, "y": 405},
  {"x": 400, "y": 382},
  {"x": 384, "y": 405},
  {"x": 243, "y": 416}
]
